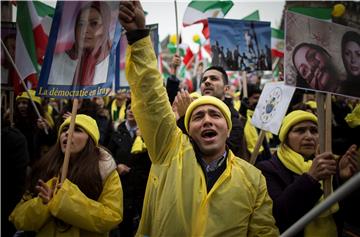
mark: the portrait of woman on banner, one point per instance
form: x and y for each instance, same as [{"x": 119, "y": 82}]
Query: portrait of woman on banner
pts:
[
  {"x": 350, "y": 52},
  {"x": 85, "y": 61},
  {"x": 314, "y": 67}
]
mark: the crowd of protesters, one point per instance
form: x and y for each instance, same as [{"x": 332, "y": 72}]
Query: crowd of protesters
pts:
[{"x": 157, "y": 160}]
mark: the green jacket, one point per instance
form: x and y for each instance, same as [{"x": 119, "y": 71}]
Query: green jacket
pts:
[{"x": 176, "y": 200}]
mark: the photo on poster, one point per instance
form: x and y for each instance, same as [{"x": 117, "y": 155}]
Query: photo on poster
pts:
[
  {"x": 321, "y": 55},
  {"x": 8, "y": 36},
  {"x": 154, "y": 35},
  {"x": 240, "y": 45},
  {"x": 80, "y": 60}
]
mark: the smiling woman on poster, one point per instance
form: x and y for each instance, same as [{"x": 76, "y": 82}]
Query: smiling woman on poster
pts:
[
  {"x": 315, "y": 68},
  {"x": 86, "y": 62},
  {"x": 350, "y": 51}
]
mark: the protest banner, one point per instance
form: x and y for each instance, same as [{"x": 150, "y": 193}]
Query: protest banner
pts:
[
  {"x": 81, "y": 56},
  {"x": 240, "y": 45},
  {"x": 318, "y": 55},
  {"x": 121, "y": 82},
  {"x": 270, "y": 111}
]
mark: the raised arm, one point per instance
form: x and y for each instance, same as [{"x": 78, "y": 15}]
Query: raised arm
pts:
[{"x": 150, "y": 102}]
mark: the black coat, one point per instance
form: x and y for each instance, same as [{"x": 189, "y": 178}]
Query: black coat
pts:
[
  {"x": 293, "y": 195},
  {"x": 14, "y": 161}
]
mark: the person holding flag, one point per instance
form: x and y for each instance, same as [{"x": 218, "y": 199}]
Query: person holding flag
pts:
[
  {"x": 87, "y": 203},
  {"x": 195, "y": 178}
]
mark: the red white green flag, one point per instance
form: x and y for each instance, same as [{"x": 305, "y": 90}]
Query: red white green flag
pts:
[
  {"x": 33, "y": 24},
  {"x": 199, "y": 11},
  {"x": 277, "y": 43}
]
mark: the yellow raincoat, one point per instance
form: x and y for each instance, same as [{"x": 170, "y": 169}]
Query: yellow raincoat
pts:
[
  {"x": 176, "y": 200},
  {"x": 88, "y": 218}
]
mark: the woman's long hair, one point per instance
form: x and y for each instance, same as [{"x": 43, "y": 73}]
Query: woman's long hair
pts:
[{"x": 83, "y": 170}]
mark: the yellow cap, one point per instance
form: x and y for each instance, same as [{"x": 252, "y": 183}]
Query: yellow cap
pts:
[
  {"x": 24, "y": 95},
  {"x": 208, "y": 100},
  {"x": 338, "y": 10},
  {"x": 87, "y": 123},
  {"x": 195, "y": 95},
  {"x": 312, "y": 104},
  {"x": 292, "y": 119}
]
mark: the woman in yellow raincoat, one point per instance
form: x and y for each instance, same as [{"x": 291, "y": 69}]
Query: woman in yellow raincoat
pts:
[{"x": 88, "y": 203}]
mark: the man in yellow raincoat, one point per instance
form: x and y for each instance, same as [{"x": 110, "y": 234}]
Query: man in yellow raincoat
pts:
[{"x": 196, "y": 186}]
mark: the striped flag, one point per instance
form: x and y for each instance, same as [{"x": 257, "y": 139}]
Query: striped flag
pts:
[
  {"x": 322, "y": 13},
  {"x": 33, "y": 24},
  {"x": 199, "y": 11},
  {"x": 277, "y": 43}
]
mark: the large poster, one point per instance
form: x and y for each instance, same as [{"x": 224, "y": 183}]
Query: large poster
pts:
[
  {"x": 240, "y": 45},
  {"x": 80, "y": 60},
  {"x": 321, "y": 55},
  {"x": 122, "y": 83}
]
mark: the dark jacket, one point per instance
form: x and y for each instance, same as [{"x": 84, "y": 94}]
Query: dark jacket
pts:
[
  {"x": 14, "y": 160},
  {"x": 134, "y": 182},
  {"x": 293, "y": 195}
]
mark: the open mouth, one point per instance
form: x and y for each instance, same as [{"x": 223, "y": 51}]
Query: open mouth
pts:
[{"x": 208, "y": 134}]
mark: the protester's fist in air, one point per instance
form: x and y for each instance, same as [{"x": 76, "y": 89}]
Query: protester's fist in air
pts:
[{"x": 131, "y": 15}]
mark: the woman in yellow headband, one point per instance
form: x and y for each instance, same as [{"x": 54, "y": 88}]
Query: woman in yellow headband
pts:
[
  {"x": 87, "y": 203},
  {"x": 293, "y": 175}
]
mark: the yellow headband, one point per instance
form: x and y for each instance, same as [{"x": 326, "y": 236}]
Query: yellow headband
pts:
[
  {"x": 24, "y": 95},
  {"x": 87, "y": 123},
  {"x": 292, "y": 119},
  {"x": 208, "y": 100}
]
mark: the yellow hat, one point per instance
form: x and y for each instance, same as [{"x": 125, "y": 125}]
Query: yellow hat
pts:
[
  {"x": 24, "y": 95},
  {"x": 85, "y": 122},
  {"x": 195, "y": 95},
  {"x": 338, "y": 10},
  {"x": 292, "y": 119},
  {"x": 312, "y": 104},
  {"x": 208, "y": 100}
]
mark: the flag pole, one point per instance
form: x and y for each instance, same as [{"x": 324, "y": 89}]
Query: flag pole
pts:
[
  {"x": 177, "y": 27},
  {"x": 71, "y": 129},
  {"x": 23, "y": 83},
  {"x": 177, "y": 34}
]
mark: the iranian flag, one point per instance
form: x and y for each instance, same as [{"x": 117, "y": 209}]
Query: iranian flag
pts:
[
  {"x": 199, "y": 11},
  {"x": 321, "y": 13},
  {"x": 277, "y": 43},
  {"x": 33, "y": 24}
]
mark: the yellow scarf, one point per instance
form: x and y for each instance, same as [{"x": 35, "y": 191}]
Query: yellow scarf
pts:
[
  {"x": 324, "y": 225},
  {"x": 138, "y": 146},
  {"x": 353, "y": 118},
  {"x": 114, "y": 108}
]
